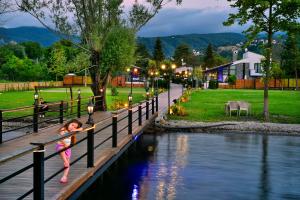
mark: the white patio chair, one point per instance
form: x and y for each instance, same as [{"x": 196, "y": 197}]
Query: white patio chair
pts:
[
  {"x": 244, "y": 106},
  {"x": 233, "y": 106}
]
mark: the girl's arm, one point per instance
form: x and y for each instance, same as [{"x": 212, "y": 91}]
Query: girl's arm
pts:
[{"x": 79, "y": 129}]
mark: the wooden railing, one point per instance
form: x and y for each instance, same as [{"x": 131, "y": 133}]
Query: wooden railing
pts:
[{"x": 38, "y": 148}]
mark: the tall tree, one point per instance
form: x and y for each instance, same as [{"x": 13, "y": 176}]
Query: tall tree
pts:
[
  {"x": 267, "y": 16},
  {"x": 183, "y": 51},
  {"x": 158, "y": 54},
  {"x": 291, "y": 54},
  {"x": 33, "y": 50},
  {"x": 96, "y": 22},
  {"x": 209, "y": 58}
]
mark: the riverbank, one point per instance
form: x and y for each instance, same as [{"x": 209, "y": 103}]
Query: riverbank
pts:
[{"x": 227, "y": 126}]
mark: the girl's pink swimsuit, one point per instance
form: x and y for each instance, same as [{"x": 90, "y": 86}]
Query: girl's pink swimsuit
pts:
[{"x": 59, "y": 147}]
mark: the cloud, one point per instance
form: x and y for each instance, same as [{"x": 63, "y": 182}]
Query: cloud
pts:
[{"x": 184, "y": 21}]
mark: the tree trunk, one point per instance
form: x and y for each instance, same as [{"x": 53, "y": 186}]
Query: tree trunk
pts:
[
  {"x": 99, "y": 81},
  {"x": 267, "y": 66},
  {"x": 296, "y": 74}
]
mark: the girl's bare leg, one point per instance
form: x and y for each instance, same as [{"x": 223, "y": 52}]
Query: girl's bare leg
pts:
[{"x": 64, "y": 158}]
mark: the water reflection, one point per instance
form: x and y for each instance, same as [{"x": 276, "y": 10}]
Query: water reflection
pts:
[
  {"x": 264, "y": 179},
  {"x": 205, "y": 166},
  {"x": 169, "y": 180}
]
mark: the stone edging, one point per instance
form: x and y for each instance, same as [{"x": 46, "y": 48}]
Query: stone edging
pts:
[{"x": 232, "y": 126}]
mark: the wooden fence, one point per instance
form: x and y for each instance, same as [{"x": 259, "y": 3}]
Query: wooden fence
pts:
[
  {"x": 118, "y": 81},
  {"x": 259, "y": 84},
  {"x": 21, "y": 86}
]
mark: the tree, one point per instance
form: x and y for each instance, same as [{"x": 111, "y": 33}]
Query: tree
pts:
[
  {"x": 94, "y": 21},
  {"x": 158, "y": 54},
  {"x": 17, "y": 69},
  {"x": 209, "y": 58},
  {"x": 33, "y": 50},
  {"x": 291, "y": 55},
  {"x": 17, "y": 49},
  {"x": 183, "y": 51},
  {"x": 57, "y": 63},
  {"x": 267, "y": 16}
]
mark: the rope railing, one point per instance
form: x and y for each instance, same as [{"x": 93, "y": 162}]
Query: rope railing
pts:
[{"x": 99, "y": 127}]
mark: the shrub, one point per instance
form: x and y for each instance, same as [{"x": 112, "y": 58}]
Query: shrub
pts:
[
  {"x": 118, "y": 104},
  {"x": 177, "y": 110},
  {"x": 114, "y": 91},
  {"x": 186, "y": 96},
  {"x": 213, "y": 84},
  {"x": 231, "y": 80}
]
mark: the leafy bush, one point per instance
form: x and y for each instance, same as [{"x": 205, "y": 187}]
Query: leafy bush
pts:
[
  {"x": 213, "y": 84},
  {"x": 231, "y": 80},
  {"x": 114, "y": 91},
  {"x": 186, "y": 96},
  {"x": 118, "y": 104},
  {"x": 177, "y": 110}
]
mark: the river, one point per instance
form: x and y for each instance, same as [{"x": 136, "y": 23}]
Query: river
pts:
[{"x": 205, "y": 166}]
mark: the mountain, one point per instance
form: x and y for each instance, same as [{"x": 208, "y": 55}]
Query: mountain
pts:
[
  {"x": 198, "y": 42},
  {"x": 22, "y": 34}
]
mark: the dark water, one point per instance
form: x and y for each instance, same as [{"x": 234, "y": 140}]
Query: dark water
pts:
[{"x": 205, "y": 166}]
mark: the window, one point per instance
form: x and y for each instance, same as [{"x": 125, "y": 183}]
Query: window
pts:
[
  {"x": 232, "y": 70},
  {"x": 257, "y": 67}
]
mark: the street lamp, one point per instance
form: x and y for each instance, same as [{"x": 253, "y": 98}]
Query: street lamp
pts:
[
  {"x": 169, "y": 70},
  {"x": 129, "y": 100},
  {"x": 90, "y": 109},
  {"x": 147, "y": 94},
  {"x": 36, "y": 97}
]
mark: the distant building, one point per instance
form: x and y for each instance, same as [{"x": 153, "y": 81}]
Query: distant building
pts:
[
  {"x": 247, "y": 68},
  {"x": 183, "y": 70}
]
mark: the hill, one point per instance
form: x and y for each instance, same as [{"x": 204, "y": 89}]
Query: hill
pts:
[
  {"x": 23, "y": 34},
  {"x": 196, "y": 41}
]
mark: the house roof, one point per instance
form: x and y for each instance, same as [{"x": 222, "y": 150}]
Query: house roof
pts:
[
  {"x": 247, "y": 58},
  {"x": 218, "y": 67}
]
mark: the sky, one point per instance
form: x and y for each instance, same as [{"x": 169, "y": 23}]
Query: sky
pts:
[{"x": 192, "y": 16}]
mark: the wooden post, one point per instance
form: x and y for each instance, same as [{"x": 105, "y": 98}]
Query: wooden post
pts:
[
  {"x": 114, "y": 130},
  {"x": 1, "y": 124},
  {"x": 79, "y": 107},
  {"x": 152, "y": 106},
  {"x": 140, "y": 115},
  {"x": 35, "y": 118},
  {"x": 90, "y": 147},
  {"x": 61, "y": 112},
  {"x": 147, "y": 110},
  {"x": 38, "y": 173},
  {"x": 129, "y": 121}
]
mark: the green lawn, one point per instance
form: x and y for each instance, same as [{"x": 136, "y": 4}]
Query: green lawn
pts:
[
  {"x": 208, "y": 105},
  {"x": 10, "y": 100}
]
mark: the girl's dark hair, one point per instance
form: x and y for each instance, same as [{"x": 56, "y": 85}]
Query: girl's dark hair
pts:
[{"x": 66, "y": 126}]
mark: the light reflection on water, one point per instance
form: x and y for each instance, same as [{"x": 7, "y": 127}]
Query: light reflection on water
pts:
[{"x": 207, "y": 166}]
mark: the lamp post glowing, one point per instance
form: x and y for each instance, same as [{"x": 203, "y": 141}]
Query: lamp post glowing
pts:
[
  {"x": 36, "y": 97},
  {"x": 129, "y": 100},
  {"x": 90, "y": 109},
  {"x": 169, "y": 70},
  {"x": 147, "y": 95}
]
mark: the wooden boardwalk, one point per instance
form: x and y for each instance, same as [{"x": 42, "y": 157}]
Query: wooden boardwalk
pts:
[{"x": 79, "y": 173}]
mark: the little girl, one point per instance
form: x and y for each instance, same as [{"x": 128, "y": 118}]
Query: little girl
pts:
[{"x": 71, "y": 126}]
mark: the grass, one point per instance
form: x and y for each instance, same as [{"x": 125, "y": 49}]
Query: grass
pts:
[
  {"x": 9, "y": 100},
  {"x": 208, "y": 105}
]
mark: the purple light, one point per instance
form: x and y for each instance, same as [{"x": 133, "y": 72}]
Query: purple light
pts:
[{"x": 135, "y": 193}]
